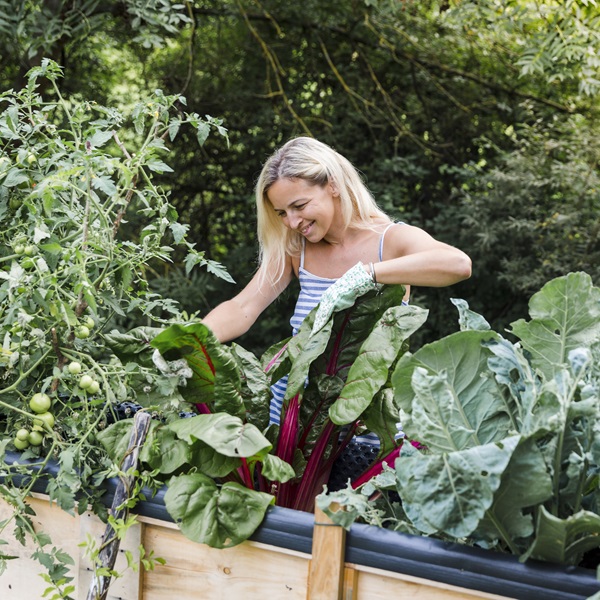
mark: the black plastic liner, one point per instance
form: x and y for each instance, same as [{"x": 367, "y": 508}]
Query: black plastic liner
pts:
[{"x": 452, "y": 564}]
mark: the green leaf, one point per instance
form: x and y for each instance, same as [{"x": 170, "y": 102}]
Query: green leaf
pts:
[
  {"x": 565, "y": 315},
  {"x": 226, "y": 433},
  {"x": 163, "y": 451},
  {"x": 216, "y": 377},
  {"x": 525, "y": 483},
  {"x": 381, "y": 417},
  {"x": 174, "y": 125},
  {"x": 100, "y": 138},
  {"x": 179, "y": 231},
  {"x": 451, "y": 492},
  {"x": 210, "y": 462},
  {"x": 104, "y": 184},
  {"x": 157, "y": 165},
  {"x": 219, "y": 517},
  {"x": 564, "y": 541},
  {"x": 115, "y": 439},
  {"x": 467, "y": 319},
  {"x": 134, "y": 345},
  {"x": 256, "y": 390},
  {"x": 15, "y": 177},
  {"x": 203, "y": 129},
  {"x": 370, "y": 371},
  {"x": 219, "y": 270},
  {"x": 446, "y": 403},
  {"x": 275, "y": 469}
]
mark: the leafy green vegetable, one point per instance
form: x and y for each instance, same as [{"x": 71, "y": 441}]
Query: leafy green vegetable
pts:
[{"x": 510, "y": 433}]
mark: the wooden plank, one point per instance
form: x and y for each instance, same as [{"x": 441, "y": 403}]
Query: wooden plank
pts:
[
  {"x": 22, "y": 579},
  {"x": 326, "y": 573},
  {"x": 250, "y": 571},
  {"x": 350, "y": 583},
  {"x": 374, "y": 584}
]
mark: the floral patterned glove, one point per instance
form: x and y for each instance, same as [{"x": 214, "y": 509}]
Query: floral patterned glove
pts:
[{"x": 342, "y": 294}]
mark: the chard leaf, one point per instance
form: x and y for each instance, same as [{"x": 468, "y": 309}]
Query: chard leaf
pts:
[
  {"x": 353, "y": 327},
  {"x": 210, "y": 462},
  {"x": 303, "y": 349},
  {"x": 564, "y": 541},
  {"x": 565, "y": 315},
  {"x": 321, "y": 391},
  {"x": 216, "y": 376},
  {"x": 335, "y": 347},
  {"x": 370, "y": 371},
  {"x": 447, "y": 401},
  {"x": 381, "y": 417},
  {"x": 256, "y": 392},
  {"x": 451, "y": 492},
  {"x": 275, "y": 469},
  {"x": 275, "y": 361},
  {"x": 226, "y": 433},
  {"x": 525, "y": 483},
  {"x": 220, "y": 517}
]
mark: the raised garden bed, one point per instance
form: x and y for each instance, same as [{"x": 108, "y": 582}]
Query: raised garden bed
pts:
[{"x": 292, "y": 555}]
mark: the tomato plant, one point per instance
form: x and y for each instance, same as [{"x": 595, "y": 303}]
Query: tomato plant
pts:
[{"x": 82, "y": 223}]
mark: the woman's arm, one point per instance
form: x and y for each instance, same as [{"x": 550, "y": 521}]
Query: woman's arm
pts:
[
  {"x": 234, "y": 317},
  {"x": 413, "y": 257}
]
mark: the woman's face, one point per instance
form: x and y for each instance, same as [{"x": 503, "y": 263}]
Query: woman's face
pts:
[{"x": 311, "y": 210}]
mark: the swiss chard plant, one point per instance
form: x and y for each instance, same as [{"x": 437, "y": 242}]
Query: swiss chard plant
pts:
[
  {"x": 226, "y": 464},
  {"x": 510, "y": 433}
]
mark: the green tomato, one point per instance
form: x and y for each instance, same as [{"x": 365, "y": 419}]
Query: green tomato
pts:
[
  {"x": 15, "y": 202},
  {"x": 94, "y": 387},
  {"x": 22, "y": 434},
  {"x": 20, "y": 444},
  {"x": 19, "y": 249},
  {"x": 82, "y": 332},
  {"x": 36, "y": 438},
  {"x": 90, "y": 323},
  {"x": 28, "y": 263},
  {"x": 74, "y": 368},
  {"x": 31, "y": 158},
  {"x": 40, "y": 403},
  {"x": 43, "y": 419},
  {"x": 85, "y": 382},
  {"x": 29, "y": 250}
]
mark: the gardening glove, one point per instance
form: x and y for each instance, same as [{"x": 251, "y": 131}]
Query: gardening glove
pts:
[{"x": 342, "y": 294}]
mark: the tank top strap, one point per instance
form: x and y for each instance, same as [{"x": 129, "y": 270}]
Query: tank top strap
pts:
[
  {"x": 383, "y": 237},
  {"x": 302, "y": 253}
]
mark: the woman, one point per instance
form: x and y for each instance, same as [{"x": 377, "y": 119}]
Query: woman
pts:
[{"x": 318, "y": 222}]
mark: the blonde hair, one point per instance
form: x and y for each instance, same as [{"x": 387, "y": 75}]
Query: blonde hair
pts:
[{"x": 318, "y": 164}]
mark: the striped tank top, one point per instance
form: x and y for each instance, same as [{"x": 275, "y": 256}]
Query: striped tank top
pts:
[{"x": 312, "y": 288}]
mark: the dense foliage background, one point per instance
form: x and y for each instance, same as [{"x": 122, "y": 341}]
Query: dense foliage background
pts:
[{"x": 474, "y": 120}]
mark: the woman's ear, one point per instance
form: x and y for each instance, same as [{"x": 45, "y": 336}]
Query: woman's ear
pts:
[{"x": 335, "y": 192}]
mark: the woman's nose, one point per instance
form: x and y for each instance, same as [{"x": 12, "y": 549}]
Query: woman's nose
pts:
[{"x": 293, "y": 220}]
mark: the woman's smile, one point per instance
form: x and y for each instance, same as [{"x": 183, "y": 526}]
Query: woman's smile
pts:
[{"x": 308, "y": 209}]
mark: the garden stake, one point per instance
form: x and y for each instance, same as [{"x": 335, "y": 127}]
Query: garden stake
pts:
[{"x": 110, "y": 541}]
